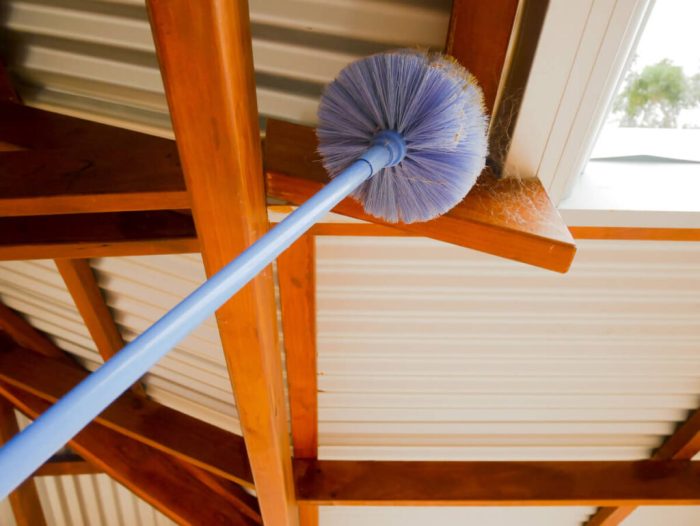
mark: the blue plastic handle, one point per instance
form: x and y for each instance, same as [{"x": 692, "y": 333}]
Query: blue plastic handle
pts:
[{"x": 28, "y": 450}]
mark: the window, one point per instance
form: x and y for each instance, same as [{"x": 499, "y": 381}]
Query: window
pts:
[{"x": 594, "y": 56}]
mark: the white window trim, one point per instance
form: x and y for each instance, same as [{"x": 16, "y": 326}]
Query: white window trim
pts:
[{"x": 583, "y": 51}]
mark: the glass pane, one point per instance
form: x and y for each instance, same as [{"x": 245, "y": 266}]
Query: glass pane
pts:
[{"x": 655, "y": 115}]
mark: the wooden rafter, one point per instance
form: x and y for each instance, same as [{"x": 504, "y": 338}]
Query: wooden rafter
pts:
[
  {"x": 683, "y": 444},
  {"x": 296, "y": 271},
  {"x": 213, "y": 106},
  {"x": 204, "y": 445},
  {"x": 87, "y": 296},
  {"x": 159, "y": 479},
  {"x": 571, "y": 483},
  {"x": 24, "y": 501}
]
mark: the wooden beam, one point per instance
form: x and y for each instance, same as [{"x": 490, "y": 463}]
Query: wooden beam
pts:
[
  {"x": 213, "y": 106},
  {"x": 87, "y": 296},
  {"x": 209, "y": 447},
  {"x": 97, "y": 235},
  {"x": 24, "y": 501},
  {"x": 61, "y": 181},
  {"x": 82, "y": 286},
  {"x": 296, "y": 272},
  {"x": 683, "y": 444},
  {"x": 23, "y": 334},
  {"x": 478, "y": 37},
  {"x": 157, "y": 478},
  {"x": 571, "y": 483},
  {"x": 507, "y": 218}
]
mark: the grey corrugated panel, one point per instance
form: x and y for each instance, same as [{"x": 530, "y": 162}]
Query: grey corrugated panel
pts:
[
  {"x": 416, "y": 516},
  {"x": 98, "y": 57},
  {"x": 431, "y": 351}
]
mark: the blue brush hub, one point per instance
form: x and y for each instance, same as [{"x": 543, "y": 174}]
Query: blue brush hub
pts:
[{"x": 433, "y": 105}]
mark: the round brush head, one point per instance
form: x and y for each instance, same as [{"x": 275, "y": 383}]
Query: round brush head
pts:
[{"x": 434, "y": 104}]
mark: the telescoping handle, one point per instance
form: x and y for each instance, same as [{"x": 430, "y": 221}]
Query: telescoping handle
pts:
[{"x": 28, "y": 450}]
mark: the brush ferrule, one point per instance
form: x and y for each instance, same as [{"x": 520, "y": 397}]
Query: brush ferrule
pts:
[{"x": 394, "y": 143}]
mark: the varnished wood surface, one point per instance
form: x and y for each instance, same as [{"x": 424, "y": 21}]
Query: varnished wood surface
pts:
[
  {"x": 185, "y": 437},
  {"x": 296, "y": 270},
  {"x": 156, "y": 477},
  {"x": 87, "y": 296},
  {"x": 97, "y": 235},
  {"x": 507, "y": 218},
  {"x": 683, "y": 444},
  {"x": 62, "y": 181},
  {"x": 478, "y": 38},
  {"x": 24, "y": 501},
  {"x": 572, "y": 483},
  {"x": 205, "y": 54},
  {"x": 296, "y": 273}
]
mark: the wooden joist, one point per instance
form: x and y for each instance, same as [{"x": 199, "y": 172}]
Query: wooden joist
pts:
[
  {"x": 296, "y": 272},
  {"x": 683, "y": 444},
  {"x": 97, "y": 235},
  {"x": 74, "y": 465},
  {"x": 204, "y": 445},
  {"x": 163, "y": 481},
  {"x": 572, "y": 483},
  {"x": 82, "y": 285},
  {"x": 24, "y": 501},
  {"x": 205, "y": 54}
]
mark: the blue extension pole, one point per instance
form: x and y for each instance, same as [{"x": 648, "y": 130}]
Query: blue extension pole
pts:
[{"x": 28, "y": 450}]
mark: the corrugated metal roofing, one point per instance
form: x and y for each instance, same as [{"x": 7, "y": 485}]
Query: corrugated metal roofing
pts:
[
  {"x": 98, "y": 56},
  {"x": 429, "y": 351}
]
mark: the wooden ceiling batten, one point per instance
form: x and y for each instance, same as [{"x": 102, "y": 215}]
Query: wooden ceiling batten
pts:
[
  {"x": 205, "y": 54},
  {"x": 87, "y": 296},
  {"x": 503, "y": 483},
  {"x": 24, "y": 501},
  {"x": 683, "y": 444},
  {"x": 296, "y": 271}
]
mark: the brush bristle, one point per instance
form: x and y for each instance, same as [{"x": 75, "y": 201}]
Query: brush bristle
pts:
[{"x": 434, "y": 104}]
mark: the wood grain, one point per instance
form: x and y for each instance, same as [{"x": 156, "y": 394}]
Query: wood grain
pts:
[
  {"x": 296, "y": 272},
  {"x": 49, "y": 182},
  {"x": 182, "y": 436},
  {"x": 157, "y": 478},
  {"x": 507, "y": 218},
  {"x": 24, "y": 501},
  {"x": 97, "y": 235},
  {"x": 87, "y": 296},
  {"x": 213, "y": 106},
  {"x": 683, "y": 444},
  {"x": 22, "y": 333},
  {"x": 478, "y": 37},
  {"x": 572, "y": 483}
]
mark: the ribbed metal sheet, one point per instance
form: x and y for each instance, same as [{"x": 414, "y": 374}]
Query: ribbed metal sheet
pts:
[
  {"x": 435, "y": 352},
  {"x": 98, "y": 56}
]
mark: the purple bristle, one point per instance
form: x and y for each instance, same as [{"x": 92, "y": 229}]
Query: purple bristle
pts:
[{"x": 434, "y": 104}]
